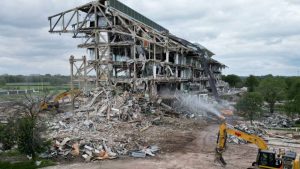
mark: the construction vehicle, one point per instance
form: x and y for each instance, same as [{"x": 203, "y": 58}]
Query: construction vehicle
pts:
[
  {"x": 55, "y": 103},
  {"x": 266, "y": 158}
]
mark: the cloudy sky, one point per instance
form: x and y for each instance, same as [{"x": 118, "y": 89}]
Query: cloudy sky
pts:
[{"x": 249, "y": 36}]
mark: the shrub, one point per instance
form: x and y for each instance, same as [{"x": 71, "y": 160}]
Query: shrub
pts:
[
  {"x": 8, "y": 135},
  {"x": 30, "y": 141}
]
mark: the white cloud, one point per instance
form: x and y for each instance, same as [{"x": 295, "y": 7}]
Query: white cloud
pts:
[{"x": 250, "y": 36}]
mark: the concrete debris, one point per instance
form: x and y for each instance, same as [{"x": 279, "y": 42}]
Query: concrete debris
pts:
[
  {"x": 103, "y": 125},
  {"x": 88, "y": 147},
  {"x": 154, "y": 148},
  {"x": 278, "y": 121},
  {"x": 75, "y": 149},
  {"x": 138, "y": 154},
  {"x": 151, "y": 151},
  {"x": 3, "y": 119},
  {"x": 29, "y": 157},
  {"x": 256, "y": 130},
  {"x": 38, "y": 163},
  {"x": 86, "y": 157},
  {"x": 64, "y": 142},
  {"x": 236, "y": 140},
  {"x": 88, "y": 151}
]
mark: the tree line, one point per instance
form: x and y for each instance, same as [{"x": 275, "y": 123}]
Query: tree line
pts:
[
  {"x": 52, "y": 79},
  {"x": 273, "y": 90}
]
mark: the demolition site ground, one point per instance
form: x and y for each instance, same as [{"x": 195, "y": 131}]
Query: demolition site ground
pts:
[
  {"x": 182, "y": 150},
  {"x": 124, "y": 130}
]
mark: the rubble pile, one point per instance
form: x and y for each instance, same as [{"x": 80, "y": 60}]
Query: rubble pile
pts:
[
  {"x": 93, "y": 150},
  {"x": 251, "y": 129},
  {"x": 273, "y": 121},
  {"x": 277, "y": 121},
  {"x": 105, "y": 125}
]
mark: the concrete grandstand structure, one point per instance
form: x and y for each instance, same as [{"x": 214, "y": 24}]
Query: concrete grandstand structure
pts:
[{"x": 128, "y": 49}]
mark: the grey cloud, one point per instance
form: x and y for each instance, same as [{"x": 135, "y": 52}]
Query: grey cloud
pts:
[
  {"x": 32, "y": 14},
  {"x": 259, "y": 66},
  {"x": 273, "y": 41},
  {"x": 295, "y": 2},
  {"x": 250, "y": 36}
]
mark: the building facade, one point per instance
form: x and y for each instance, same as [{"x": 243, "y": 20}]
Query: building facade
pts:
[{"x": 128, "y": 49}]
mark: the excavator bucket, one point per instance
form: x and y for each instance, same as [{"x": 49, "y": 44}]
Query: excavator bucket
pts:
[{"x": 219, "y": 158}]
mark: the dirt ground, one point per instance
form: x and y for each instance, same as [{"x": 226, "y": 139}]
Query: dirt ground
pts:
[{"x": 194, "y": 151}]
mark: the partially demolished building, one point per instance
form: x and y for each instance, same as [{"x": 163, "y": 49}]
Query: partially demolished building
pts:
[{"x": 128, "y": 49}]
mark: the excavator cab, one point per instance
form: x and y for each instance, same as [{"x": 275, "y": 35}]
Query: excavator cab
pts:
[
  {"x": 290, "y": 161},
  {"x": 268, "y": 159}
]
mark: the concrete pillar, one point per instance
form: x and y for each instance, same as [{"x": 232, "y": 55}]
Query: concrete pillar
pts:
[
  {"x": 153, "y": 89},
  {"x": 129, "y": 72},
  {"x": 154, "y": 71},
  {"x": 181, "y": 86},
  {"x": 176, "y": 62},
  {"x": 149, "y": 48},
  {"x": 72, "y": 80},
  {"x": 134, "y": 58},
  {"x": 167, "y": 56},
  {"x": 154, "y": 51},
  {"x": 85, "y": 74},
  {"x": 115, "y": 72},
  {"x": 97, "y": 58}
]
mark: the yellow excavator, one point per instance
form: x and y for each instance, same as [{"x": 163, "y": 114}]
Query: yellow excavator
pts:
[
  {"x": 55, "y": 103},
  {"x": 266, "y": 158}
]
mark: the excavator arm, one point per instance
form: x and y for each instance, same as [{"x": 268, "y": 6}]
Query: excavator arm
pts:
[
  {"x": 224, "y": 131},
  {"x": 266, "y": 159},
  {"x": 57, "y": 98},
  {"x": 65, "y": 94}
]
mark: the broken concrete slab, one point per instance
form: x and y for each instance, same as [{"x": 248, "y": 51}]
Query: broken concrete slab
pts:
[{"x": 138, "y": 154}]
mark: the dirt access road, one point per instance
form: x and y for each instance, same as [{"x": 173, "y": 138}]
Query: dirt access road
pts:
[{"x": 198, "y": 154}]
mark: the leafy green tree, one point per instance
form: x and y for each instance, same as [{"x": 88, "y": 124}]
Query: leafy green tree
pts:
[
  {"x": 8, "y": 134},
  {"x": 2, "y": 81},
  {"x": 250, "y": 105},
  {"x": 29, "y": 127},
  {"x": 251, "y": 82},
  {"x": 290, "y": 81},
  {"x": 272, "y": 90},
  {"x": 294, "y": 89},
  {"x": 29, "y": 138},
  {"x": 232, "y": 80},
  {"x": 292, "y": 107}
]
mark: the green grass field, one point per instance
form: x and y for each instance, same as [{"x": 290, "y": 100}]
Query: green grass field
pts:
[
  {"x": 35, "y": 87},
  {"x": 42, "y": 88}
]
